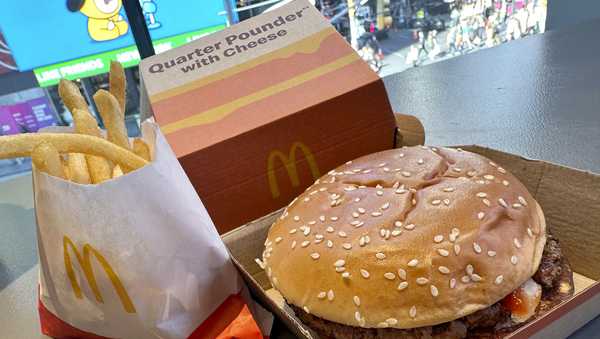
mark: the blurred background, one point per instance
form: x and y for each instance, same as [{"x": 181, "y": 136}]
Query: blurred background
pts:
[{"x": 41, "y": 43}]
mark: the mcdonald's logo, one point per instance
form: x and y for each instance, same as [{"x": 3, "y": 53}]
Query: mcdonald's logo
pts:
[
  {"x": 289, "y": 161},
  {"x": 88, "y": 271}
]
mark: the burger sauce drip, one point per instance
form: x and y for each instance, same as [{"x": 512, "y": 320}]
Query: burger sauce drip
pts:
[{"x": 523, "y": 301}]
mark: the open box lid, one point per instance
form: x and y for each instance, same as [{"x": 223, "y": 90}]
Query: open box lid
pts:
[{"x": 571, "y": 203}]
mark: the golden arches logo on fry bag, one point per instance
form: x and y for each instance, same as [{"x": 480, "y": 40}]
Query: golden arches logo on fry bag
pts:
[
  {"x": 86, "y": 265},
  {"x": 289, "y": 161}
]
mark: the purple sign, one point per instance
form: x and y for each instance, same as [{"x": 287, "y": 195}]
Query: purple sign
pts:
[
  {"x": 24, "y": 117},
  {"x": 8, "y": 125},
  {"x": 42, "y": 111}
]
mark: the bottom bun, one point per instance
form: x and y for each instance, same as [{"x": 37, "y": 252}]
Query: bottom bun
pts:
[{"x": 554, "y": 275}]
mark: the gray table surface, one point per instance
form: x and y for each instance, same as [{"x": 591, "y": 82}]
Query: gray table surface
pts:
[{"x": 538, "y": 97}]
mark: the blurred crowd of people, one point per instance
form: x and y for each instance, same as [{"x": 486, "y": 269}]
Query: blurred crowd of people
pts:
[{"x": 476, "y": 24}]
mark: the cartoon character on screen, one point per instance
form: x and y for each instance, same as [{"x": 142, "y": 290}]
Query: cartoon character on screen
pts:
[{"x": 104, "y": 21}]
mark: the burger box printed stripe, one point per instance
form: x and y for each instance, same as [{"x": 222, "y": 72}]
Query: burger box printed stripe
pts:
[
  {"x": 571, "y": 206},
  {"x": 256, "y": 112}
]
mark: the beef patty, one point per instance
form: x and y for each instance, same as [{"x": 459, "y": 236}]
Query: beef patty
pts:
[{"x": 554, "y": 275}]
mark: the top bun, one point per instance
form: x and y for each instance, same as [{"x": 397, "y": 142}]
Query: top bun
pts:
[{"x": 406, "y": 238}]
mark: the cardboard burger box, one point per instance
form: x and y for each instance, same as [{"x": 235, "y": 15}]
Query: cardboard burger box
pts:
[
  {"x": 571, "y": 204},
  {"x": 256, "y": 112}
]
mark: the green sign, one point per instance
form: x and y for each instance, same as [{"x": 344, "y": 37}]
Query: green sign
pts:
[{"x": 100, "y": 63}]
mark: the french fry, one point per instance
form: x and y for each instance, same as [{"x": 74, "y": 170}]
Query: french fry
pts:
[
  {"x": 46, "y": 158},
  {"x": 98, "y": 167},
  {"x": 117, "y": 172},
  {"x": 78, "y": 169},
  {"x": 113, "y": 119},
  {"x": 141, "y": 149},
  {"x": 71, "y": 96},
  {"x": 21, "y": 145},
  {"x": 118, "y": 84}
]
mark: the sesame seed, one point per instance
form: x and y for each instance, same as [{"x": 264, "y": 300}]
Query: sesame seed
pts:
[
  {"x": 414, "y": 202},
  {"x": 306, "y": 231},
  {"x": 329, "y": 229},
  {"x": 476, "y": 278},
  {"x": 481, "y": 182},
  {"x": 502, "y": 202},
  {"x": 413, "y": 312},
  {"x": 381, "y": 164},
  {"x": 436, "y": 202},
  {"x": 401, "y": 191},
  {"x": 398, "y": 223},
  {"x": 402, "y": 285},
  {"x": 452, "y": 283},
  {"x": 514, "y": 260},
  {"x": 434, "y": 290},
  {"x": 493, "y": 164},
  {"x": 322, "y": 189},
  {"x": 443, "y": 252},
  {"x": 315, "y": 255},
  {"x": 379, "y": 193},
  {"x": 471, "y": 173},
  {"x": 342, "y": 234},
  {"x": 355, "y": 223},
  {"x": 376, "y": 214},
  {"x": 382, "y": 232},
  {"x": 307, "y": 199},
  {"x": 481, "y": 194},
  {"x": 405, "y": 174},
  {"x": 422, "y": 281},
  {"x": 361, "y": 210},
  {"x": 306, "y": 309},
  {"x": 319, "y": 236},
  {"x": 438, "y": 238},
  {"x": 465, "y": 279},
  {"x": 501, "y": 170},
  {"x": 330, "y": 295},
  {"x": 296, "y": 218},
  {"x": 355, "y": 214},
  {"x": 480, "y": 215},
  {"x": 293, "y": 244},
  {"x": 312, "y": 222},
  {"x": 505, "y": 182},
  {"x": 329, "y": 243},
  {"x": 456, "y": 249},
  {"x": 447, "y": 202},
  {"x": 491, "y": 253},
  {"x": 402, "y": 274},
  {"x": 396, "y": 233},
  {"x": 476, "y": 248},
  {"x": 346, "y": 275},
  {"x": 340, "y": 269},
  {"x": 469, "y": 269},
  {"x": 362, "y": 242},
  {"x": 322, "y": 218},
  {"x": 357, "y": 316},
  {"x": 517, "y": 205},
  {"x": 366, "y": 171},
  {"x": 529, "y": 232},
  {"x": 522, "y": 200},
  {"x": 409, "y": 227},
  {"x": 347, "y": 245},
  {"x": 444, "y": 270},
  {"x": 385, "y": 206},
  {"x": 499, "y": 279},
  {"x": 448, "y": 189},
  {"x": 268, "y": 242},
  {"x": 293, "y": 230},
  {"x": 380, "y": 255},
  {"x": 391, "y": 321},
  {"x": 401, "y": 155},
  {"x": 305, "y": 243},
  {"x": 517, "y": 243},
  {"x": 365, "y": 274},
  {"x": 260, "y": 263},
  {"x": 386, "y": 169},
  {"x": 339, "y": 263},
  {"x": 489, "y": 177},
  {"x": 413, "y": 263},
  {"x": 486, "y": 202},
  {"x": 322, "y": 295},
  {"x": 356, "y": 300},
  {"x": 389, "y": 275},
  {"x": 318, "y": 241},
  {"x": 367, "y": 239},
  {"x": 333, "y": 218},
  {"x": 457, "y": 169},
  {"x": 349, "y": 188},
  {"x": 278, "y": 240}
]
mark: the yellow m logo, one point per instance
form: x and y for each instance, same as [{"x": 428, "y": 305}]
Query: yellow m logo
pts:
[
  {"x": 86, "y": 266},
  {"x": 290, "y": 165}
]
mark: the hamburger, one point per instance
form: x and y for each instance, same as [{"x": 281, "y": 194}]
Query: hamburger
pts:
[{"x": 417, "y": 242}]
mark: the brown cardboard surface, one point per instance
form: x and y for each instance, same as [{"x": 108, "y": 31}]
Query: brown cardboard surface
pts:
[
  {"x": 255, "y": 128},
  {"x": 570, "y": 200}
]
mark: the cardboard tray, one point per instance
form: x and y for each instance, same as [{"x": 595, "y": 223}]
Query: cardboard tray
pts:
[{"x": 571, "y": 202}]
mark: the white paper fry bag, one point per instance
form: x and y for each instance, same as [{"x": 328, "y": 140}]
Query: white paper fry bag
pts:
[{"x": 137, "y": 257}]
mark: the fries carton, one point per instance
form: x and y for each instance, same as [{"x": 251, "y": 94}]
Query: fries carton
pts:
[
  {"x": 137, "y": 257},
  {"x": 256, "y": 112}
]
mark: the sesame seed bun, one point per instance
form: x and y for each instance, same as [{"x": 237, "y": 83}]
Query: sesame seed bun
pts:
[{"x": 406, "y": 238}]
